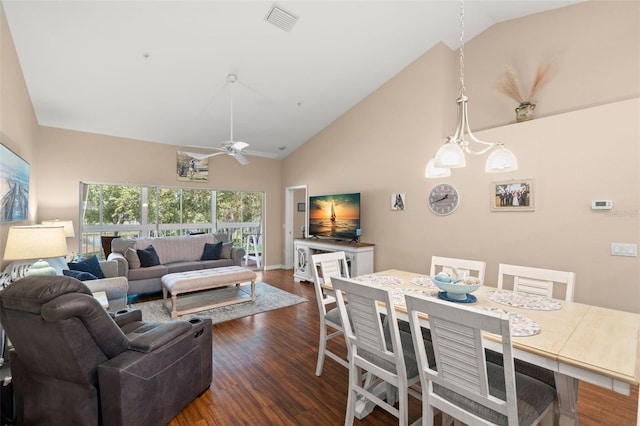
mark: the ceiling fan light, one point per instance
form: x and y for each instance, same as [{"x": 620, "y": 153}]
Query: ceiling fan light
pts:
[
  {"x": 501, "y": 160},
  {"x": 239, "y": 145},
  {"x": 450, "y": 155},
  {"x": 436, "y": 172}
]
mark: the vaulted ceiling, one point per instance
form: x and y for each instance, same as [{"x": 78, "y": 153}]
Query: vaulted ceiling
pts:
[{"x": 157, "y": 70}]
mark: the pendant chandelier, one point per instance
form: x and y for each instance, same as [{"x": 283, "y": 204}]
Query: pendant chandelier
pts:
[{"x": 451, "y": 154}]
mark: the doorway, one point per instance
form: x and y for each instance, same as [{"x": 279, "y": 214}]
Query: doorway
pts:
[{"x": 295, "y": 218}]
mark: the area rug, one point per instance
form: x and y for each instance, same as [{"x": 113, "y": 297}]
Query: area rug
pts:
[{"x": 268, "y": 298}]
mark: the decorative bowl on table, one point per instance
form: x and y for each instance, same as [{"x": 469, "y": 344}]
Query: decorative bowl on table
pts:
[{"x": 456, "y": 290}]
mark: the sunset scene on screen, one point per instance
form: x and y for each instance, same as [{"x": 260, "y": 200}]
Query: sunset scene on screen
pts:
[{"x": 345, "y": 207}]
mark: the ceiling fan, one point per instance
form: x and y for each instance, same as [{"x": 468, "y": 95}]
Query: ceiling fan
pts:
[{"x": 232, "y": 147}]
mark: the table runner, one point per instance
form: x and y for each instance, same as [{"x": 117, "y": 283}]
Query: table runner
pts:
[
  {"x": 520, "y": 326},
  {"x": 379, "y": 280},
  {"x": 524, "y": 300},
  {"x": 424, "y": 281}
]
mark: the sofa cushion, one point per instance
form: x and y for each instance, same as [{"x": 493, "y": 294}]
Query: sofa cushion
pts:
[
  {"x": 132, "y": 258},
  {"x": 178, "y": 249},
  {"x": 211, "y": 251},
  {"x": 147, "y": 273},
  {"x": 208, "y": 264},
  {"x": 148, "y": 257},
  {"x": 225, "y": 253},
  {"x": 79, "y": 275},
  {"x": 120, "y": 245},
  {"x": 184, "y": 266},
  {"x": 91, "y": 265}
]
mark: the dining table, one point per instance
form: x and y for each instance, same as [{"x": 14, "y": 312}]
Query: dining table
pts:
[{"x": 575, "y": 341}]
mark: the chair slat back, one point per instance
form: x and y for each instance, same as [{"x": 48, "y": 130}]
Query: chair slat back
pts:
[
  {"x": 324, "y": 266},
  {"x": 536, "y": 280},
  {"x": 332, "y": 264},
  {"x": 456, "y": 333},
  {"x": 472, "y": 268},
  {"x": 364, "y": 328}
]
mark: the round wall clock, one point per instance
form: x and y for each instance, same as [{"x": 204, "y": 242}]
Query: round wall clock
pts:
[{"x": 443, "y": 199}]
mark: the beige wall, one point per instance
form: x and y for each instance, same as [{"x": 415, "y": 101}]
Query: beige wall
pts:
[
  {"x": 68, "y": 157},
  {"x": 17, "y": 120},
  {"x": 381, "y": 146}
]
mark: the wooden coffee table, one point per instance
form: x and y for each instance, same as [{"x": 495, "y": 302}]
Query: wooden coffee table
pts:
[{"x": 204, "y": 279}]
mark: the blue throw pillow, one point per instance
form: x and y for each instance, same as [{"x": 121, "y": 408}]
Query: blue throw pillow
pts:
[
  {"x": 79, "y": 275},
  {"x": 211, "y": 251},
  {"x": 90, "y": 264},
  {"x": 148, "y": 257}
]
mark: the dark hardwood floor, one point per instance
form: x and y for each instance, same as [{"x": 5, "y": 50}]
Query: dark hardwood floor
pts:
[{"x": 264, "y": 374}]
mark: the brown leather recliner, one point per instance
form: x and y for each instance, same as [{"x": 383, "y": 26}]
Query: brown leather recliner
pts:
[{"x": 73, "y": 364}]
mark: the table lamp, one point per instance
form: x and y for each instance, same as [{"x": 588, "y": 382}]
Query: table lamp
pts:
[
  {"x": 36, "y": 242},
  {"x": 68, "y": 233},
  {"x": 67, "y": 224}
]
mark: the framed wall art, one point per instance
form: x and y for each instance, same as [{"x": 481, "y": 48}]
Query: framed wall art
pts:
[
  {"x": 192, "y": 167},
  {"x": 302, "y": 207},
  {"x": 513, "y": 196},
  {"x": 14, "y": 187},
  {"x": 398, "y": 201}
]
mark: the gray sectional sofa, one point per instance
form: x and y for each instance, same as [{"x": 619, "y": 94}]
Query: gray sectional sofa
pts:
[{"x": 175, "y": 254}]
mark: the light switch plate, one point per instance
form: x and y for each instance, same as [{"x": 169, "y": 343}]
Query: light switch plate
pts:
[{"x": 624, "y": 249}]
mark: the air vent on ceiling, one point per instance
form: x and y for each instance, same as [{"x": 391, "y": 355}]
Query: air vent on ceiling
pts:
[{"x": 281, "y": 18}]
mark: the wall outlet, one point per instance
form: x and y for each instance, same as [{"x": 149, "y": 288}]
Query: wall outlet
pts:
[{"x": 624, "y": 249}]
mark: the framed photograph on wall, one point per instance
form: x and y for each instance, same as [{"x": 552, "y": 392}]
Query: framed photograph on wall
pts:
[
  {"x": 192, "y": 167},
  {"x": 301, "y": 207},
  {"x": 398, "y": 201},
  {"x": 14, "y": 186},
  {"x": 513, "y": 196}
]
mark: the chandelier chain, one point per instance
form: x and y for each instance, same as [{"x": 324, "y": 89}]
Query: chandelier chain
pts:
[{"x": 462, "y": 88}]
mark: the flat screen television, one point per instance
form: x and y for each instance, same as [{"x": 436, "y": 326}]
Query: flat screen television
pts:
[{"x": 335, "y": 216}]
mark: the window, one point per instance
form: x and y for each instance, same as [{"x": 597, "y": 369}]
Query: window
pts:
[{"x": 136, "y": 211}]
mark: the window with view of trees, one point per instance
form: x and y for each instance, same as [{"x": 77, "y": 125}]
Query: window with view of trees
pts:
[{"x": 133, "y": 211}]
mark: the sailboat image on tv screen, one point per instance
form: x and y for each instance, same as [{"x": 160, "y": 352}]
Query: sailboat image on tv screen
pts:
[{"x": 334, "y": 216}]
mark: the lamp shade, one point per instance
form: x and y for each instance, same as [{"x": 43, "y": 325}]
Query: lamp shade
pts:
[
  {"x": 67, "y": 224},
  {"x": 501, "y": 160},
  {"x": 35, "y": 242},
  {"x": 436, "y": 172},
  {"x": 450, "y": 155}
]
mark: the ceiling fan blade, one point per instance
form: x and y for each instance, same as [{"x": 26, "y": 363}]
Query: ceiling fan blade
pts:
[
  {"x": 241, "y": 158},
  {"x": 216, "y": 148},
  {"x": 214, "y": 154},
  {"x": 259, "y": 154}
]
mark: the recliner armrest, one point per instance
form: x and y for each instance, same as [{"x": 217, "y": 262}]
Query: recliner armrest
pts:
[
  {"x": 126, "y": 316},
  {"x": 154, "y": 335}
]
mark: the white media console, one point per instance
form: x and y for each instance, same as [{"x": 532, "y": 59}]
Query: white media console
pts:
[{"x": 359, "y": 256}]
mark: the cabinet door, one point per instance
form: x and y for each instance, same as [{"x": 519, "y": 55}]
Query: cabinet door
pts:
[{"x": 301, "y": 260}]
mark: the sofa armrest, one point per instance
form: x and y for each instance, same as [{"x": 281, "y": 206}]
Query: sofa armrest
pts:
[
  {"x": 109, "y": 268},
  {"x": 237, "y": 254},
  {"x": 116, "y": 289},
  {"x": 123, "y": 265}
]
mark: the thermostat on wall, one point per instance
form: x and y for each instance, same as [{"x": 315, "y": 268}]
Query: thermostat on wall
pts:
[{"x": 602, "y": 204}]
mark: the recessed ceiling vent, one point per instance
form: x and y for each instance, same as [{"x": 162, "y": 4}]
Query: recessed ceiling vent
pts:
[{"x": 281, "y": 18}]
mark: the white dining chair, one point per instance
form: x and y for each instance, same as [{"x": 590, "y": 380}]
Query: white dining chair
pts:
[
  {"x": 472, "y": 268},
  {"x": 377, "y": 347},
  {"x": 325, "y": 266},
  {"x": 458, "y": 381},
  {"x": 536, "y": 280}
]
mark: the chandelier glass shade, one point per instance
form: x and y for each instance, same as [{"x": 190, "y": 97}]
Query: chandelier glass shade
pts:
[
  {"x": 452, "y": 153},
  {"x": 433, "y": 171}
]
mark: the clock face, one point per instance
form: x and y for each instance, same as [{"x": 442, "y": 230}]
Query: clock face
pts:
[{"x": 443, "y": 199}]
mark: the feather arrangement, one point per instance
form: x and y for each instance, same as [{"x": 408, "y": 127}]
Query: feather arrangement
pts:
[{"x": 510, "y": 86}]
